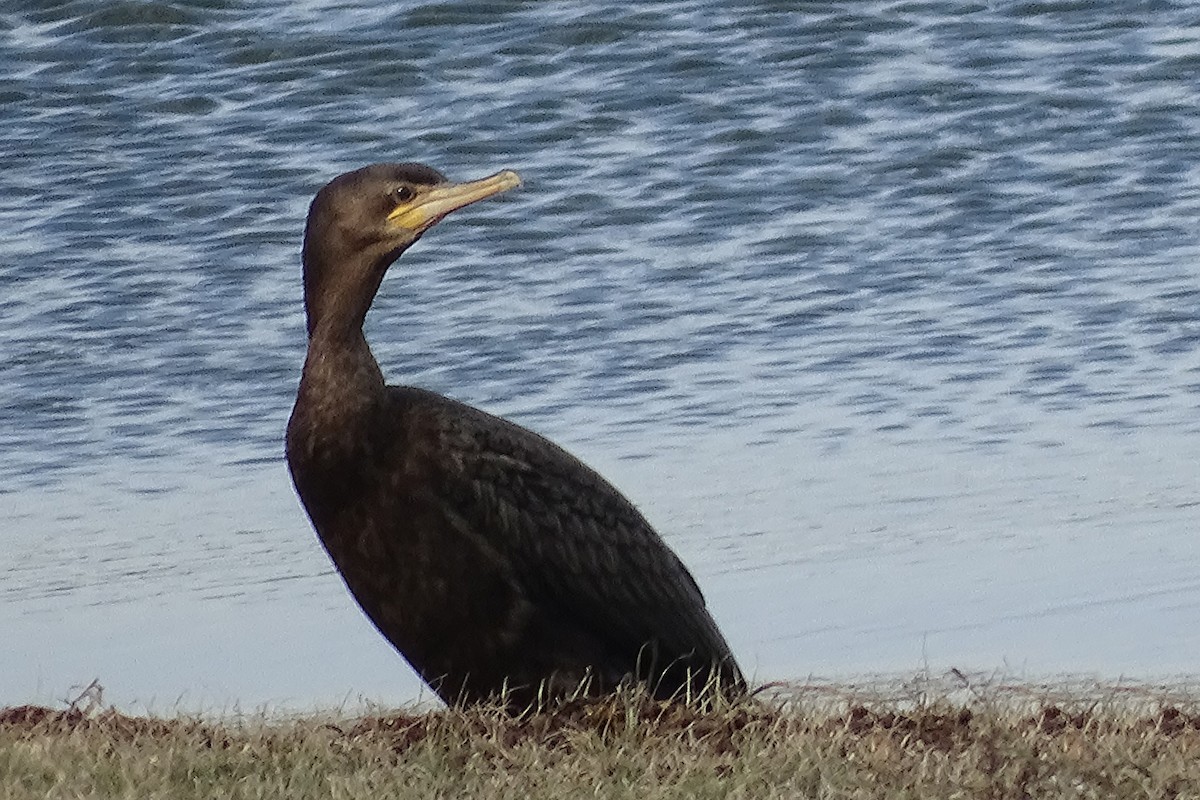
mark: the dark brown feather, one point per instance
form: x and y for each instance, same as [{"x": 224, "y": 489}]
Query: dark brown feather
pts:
[{"x": 492, "y": 559}]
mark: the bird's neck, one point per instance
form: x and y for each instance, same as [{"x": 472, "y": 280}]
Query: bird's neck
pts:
[
  {"x": 336, "y": 313},
  {"x": 339, "y": 287},
  {"x": 341, "y": 385},
  {"x": 341, "y": 364}
]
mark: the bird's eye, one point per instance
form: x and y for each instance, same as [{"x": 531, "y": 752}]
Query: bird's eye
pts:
[{"x": 402, "y": 194}]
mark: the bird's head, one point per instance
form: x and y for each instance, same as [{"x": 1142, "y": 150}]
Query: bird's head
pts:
[{"x": 361, "y": 222}]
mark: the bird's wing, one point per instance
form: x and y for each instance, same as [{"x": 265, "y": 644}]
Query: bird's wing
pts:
[{"x": 577, "y": 545}]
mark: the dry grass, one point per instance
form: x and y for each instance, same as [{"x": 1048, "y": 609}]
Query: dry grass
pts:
[{"x": 913, "y": 740}]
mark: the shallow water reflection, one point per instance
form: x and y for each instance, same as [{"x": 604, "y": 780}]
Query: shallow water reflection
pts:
[{"x": 887, "y": 314}]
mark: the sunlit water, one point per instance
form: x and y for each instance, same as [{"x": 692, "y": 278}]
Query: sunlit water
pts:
[{"x": 886, "y": 314}]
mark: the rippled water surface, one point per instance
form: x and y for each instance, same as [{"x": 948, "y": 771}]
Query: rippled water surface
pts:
[{"x": 887, "y": 314}]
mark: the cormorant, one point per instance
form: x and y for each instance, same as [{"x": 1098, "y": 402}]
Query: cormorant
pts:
[{"x": 498, "y": 564}]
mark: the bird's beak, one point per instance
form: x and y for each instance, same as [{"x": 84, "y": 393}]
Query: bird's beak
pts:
[{"x": 432, "y": 204}]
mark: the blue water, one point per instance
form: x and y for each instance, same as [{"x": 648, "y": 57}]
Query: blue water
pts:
[{"x": 886, "y": 314}]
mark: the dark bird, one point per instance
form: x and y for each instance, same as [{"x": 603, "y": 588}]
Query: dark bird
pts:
[{"x": 497, "y": 563}]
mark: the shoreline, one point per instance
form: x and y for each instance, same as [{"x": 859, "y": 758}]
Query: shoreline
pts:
[{"x": 922, "y": 738}]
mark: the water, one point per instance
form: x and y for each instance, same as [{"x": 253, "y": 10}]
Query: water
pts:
[{"x": 886, "y": 314}]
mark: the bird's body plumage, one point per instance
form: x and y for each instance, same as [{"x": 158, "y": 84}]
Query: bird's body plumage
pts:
[{"x": 492, "y": 559}]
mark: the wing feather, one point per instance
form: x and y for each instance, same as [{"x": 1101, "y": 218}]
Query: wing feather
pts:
[{"x": 578, "y": 547}]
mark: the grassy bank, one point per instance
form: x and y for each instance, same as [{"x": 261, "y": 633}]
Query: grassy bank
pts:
[{"x": 815, "y": 741}]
